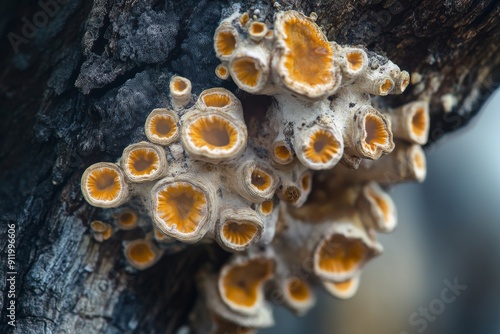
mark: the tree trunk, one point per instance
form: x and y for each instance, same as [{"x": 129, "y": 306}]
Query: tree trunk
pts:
[{"x": 78, "y": 79}]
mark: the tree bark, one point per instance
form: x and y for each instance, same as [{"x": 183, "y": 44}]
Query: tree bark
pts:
[{"x": 77, "y": 87}]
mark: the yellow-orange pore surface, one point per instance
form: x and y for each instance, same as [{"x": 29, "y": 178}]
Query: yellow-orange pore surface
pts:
[
  {"x": 182, "y": 205},
  {"x": 140, "y": 253},
  {"x": 260, "y": 179},
  {"x": 216, "y": 100},
  {"x": 225, "y": 43},
  {"x": 419, "y": 122}
]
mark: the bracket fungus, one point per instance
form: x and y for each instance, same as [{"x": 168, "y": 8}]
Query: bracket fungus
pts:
[{"x": 308, "y": 180}]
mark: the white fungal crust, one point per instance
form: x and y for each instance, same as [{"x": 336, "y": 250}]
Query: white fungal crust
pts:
[
  {"x": 103, "y": 185},
  {"x": 162, "y": 126},
  {"x": 143, "y": 162},
  {"x": 183, "y": 207}
]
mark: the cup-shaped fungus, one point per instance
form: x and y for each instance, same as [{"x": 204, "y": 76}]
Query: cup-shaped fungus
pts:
[
  {"x": 182, "y": 207},
  {"x": 320, "y": 148},
  {"x": 377, "y": 208},
  {"x": 249, "y": 69},
  {"x": 298, "y": 295},
  {"x": 342, "y": 290},
  {"x": 418, "y": 166},
  {"x": 225, "y": 40},
  {"x": 255, "y": 182},
  {"x": 241, "y": 284},
  {"x": 257, "y": 31},
  {"x": 372, "y": 134},
  {"x": 353, "y": 61},
  {"x": 180, "y": 91},
  {"x": 126, "y": 219},
  {"x": 266, "y": 207},
  {"x": 303, "y": 59},
  {"x": 238, "y": 229},
  {"x": 281, "y": 152},
  {"x": 340, "y": 255},
  {"x": 219, "y": 99},
  {"x": 103, "y": 185},
  {"x": 141, "y": 254},
  {"x": 161, "y": 126},
  {"x": 222, "y": 72},
  {"x": 214, "y": 137},
  {"x": 100, "y": 230},
  {"x": 401, "y": 81},
  {"x": 143, "y": 162},
  {"x": 411, "y": 122}
]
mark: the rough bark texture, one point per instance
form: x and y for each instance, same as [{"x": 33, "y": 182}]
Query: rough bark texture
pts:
[{"x": 79, "y": 90}]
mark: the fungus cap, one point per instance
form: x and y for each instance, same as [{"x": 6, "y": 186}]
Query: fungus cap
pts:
[
  {"x": 180, "y": 91},
  {"x": 226, "y": 40},
  {"x": 257, "y": 31},
  {"x": 141, "y": 254},
  {"x": 222, "y": 72},
  {"x": 249, "y": 69},
  {"x": 241, "y": 284},
  {"x": 298, "y": 294},
  {"x": 320, "y": 148},
  {"x": 182, "y": 207},
  {"x": 101, "y": 231},
  {"x": 281, "y": 152},
  {"x": 372, "y": 135},
  {"x": 239, "y": 229},
  {"x": 126, "y": 219},
  {"x": 162, "y": 127},
  {"x": 377, "y": 208},
  {"x": 342, "y": 290},
  {"x": 303, "y": 58},
  {"x": 103, "y": 185},
  {"x": 256, "y": 182},
  {"x": 411, "y": 122},
  {"x": 143, "y": 162},
  {"x": 220, "y": 100},
  {"x": 341, "y": 254},
  {"x": 214, "y": 137}
]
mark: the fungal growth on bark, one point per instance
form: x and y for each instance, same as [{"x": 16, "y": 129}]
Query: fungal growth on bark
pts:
[{"x": 304, "y": 186}]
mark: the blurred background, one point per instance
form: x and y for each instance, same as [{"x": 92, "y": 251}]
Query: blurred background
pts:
[{"x": 449, "y": 230}]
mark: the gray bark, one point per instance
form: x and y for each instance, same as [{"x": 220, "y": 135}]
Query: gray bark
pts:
[{"x": 78, "y": 91}]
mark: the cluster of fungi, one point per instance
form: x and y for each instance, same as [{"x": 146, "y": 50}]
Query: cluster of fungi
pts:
[{"x": 302, "y": 185}]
